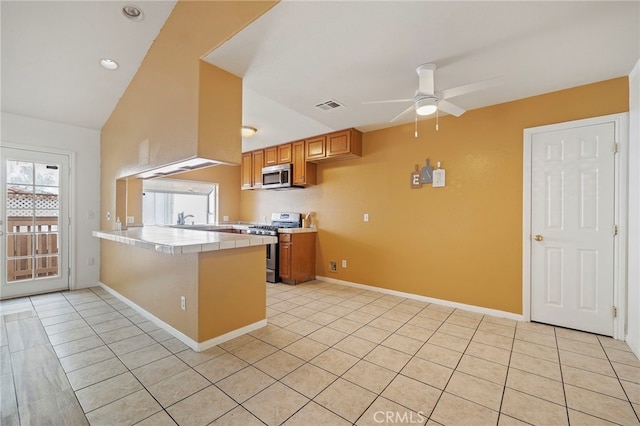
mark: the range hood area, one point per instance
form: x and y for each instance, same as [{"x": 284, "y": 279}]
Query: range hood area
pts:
[
  {"x": 177, "y": 186},
  {"x": 179, "y": 167}
]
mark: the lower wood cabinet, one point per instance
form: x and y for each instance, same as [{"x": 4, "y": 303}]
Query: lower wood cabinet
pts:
[{"x": 297, "y": 257}]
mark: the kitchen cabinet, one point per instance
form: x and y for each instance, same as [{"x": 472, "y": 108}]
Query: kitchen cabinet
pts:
[
  {"x": 341, "y": 145},
  {"x": 284, "y": 153},
  {"x": 303, "y": 155},
  {"x": 315, "y": 148},
  {"x": 297, "y": 257},
  {"x": 271, "y": 156},
  {"x": 257, "y": 158},
  {"x": 344, "y": 144},
  {"x": 251, "y": 169},
  {"x": 304, "y": 173},
  {"x": 247, "y": 170}
]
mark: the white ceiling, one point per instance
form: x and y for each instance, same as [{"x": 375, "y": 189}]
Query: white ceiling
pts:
[
  {"x": 301, "y": 53},
  {"x": 51, "y": 52}
]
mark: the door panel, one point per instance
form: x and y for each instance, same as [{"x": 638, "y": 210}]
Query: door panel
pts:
[
  {"x": 572, "y": 219},
  {"x": 33, "y": 203}
]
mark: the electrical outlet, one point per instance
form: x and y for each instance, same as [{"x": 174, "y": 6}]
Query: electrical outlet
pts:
[
  {"x": 344, "y": 263},
  {"x": 130, "y": 220},
  {"x": 366, "y": 217},
  {"x": 183, "y": 303},
  {"x": 333, "y": 266},
  {"x": 225, "y": 218}
]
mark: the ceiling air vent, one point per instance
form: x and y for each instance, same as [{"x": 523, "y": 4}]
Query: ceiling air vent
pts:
[{"x": 329, "y": 105}]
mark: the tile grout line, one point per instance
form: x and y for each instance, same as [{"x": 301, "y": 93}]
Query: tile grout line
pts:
[
  {"x": 564, "y": 388},
  {"x": 376, "y": 316},
  {"x": 619, "y": 381},
  {"x": 105, "y": 345}
]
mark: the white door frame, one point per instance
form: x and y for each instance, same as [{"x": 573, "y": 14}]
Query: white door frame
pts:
[
  {"x": 621, "y": 179},
  {"x": 72, "y": 200}
]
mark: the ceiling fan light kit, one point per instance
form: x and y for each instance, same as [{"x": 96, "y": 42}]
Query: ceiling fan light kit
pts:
[
  {"x": 426, "y": 106},
  {"x": 427, "y": 100}
]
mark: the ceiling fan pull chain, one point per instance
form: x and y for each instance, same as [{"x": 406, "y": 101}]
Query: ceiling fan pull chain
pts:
[
  {"x": 437, "y": 117},
  {"x": 415, "y": 126}
]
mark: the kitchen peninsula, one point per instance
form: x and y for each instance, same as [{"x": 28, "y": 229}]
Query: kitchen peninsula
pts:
[{"x": 206, "y": 286}]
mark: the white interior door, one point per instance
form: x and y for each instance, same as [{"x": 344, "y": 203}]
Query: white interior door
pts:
[
  {"x": 572, "y": 227},
  {"x": 34, "y": 222}
]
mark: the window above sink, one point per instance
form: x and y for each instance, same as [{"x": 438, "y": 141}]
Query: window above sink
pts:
[{"x": 174, "y": 201}]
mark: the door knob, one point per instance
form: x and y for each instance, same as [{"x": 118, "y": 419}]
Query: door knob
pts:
[{"x": 538, "y": 237}]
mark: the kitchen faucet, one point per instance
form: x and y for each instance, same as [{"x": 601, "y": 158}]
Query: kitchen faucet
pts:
[{"x": 182, "y": 218}]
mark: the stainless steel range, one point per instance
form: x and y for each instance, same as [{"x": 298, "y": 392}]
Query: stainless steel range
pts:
[{"x": 278, "y": 221}]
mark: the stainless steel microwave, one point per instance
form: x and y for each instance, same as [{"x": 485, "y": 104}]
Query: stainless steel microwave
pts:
[{"x": 278, "y": 177}]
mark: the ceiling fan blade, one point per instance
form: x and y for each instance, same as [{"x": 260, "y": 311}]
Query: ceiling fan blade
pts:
[
  {"x": 389, "y": 101},
  {"x": 402, "y": 113},
  {"x": 468, "y": 88},
  {"x": 449, "y": 108},
  {"x": 426, "y": 84}
]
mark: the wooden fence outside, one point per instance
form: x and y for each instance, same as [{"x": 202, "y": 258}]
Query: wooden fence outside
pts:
[{"x": 31, "y": 239}]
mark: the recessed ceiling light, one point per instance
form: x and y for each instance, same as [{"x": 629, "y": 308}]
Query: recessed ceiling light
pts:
[
  {"x": 248, "y": 131},
  {"x": 133, "y": 12},
  {"x": 109, "y": 64}
]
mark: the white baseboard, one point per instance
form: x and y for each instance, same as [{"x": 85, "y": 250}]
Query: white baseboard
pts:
[
  {"x": 633, "y": 345},
  {"x": 471, "y": 308},
  {"x": 196, "y": 346}
]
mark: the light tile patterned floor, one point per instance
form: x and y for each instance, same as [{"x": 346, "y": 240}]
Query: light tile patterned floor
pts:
[{"x": 331, "y": 355}]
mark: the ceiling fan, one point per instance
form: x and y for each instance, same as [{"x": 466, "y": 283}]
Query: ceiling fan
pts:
[{"x": 427, "y": 100}]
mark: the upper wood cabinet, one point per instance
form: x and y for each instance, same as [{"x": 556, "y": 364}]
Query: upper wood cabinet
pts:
[
  {"x": 257, "y": 158},
  {"x": 315, "y": 148},
  {"x": 247, "y": 170},
  {"x": 284, "y": 154},
  {"x": 340, "y": 145},
  {"x": 251, "y": 169},
  {"x": 271, "y": 156},
  {"x": 303, "y": 155},
  {"x": 346, "y": 143},
  {"x": 304, "y": 173}
]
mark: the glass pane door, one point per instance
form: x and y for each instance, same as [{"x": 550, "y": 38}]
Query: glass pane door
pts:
[{"x": 34, "y": 203}]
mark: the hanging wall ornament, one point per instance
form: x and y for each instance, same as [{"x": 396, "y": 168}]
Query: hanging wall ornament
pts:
[
  {"x": 415, "y": 178},
  {"x": 426, "y": 175}
]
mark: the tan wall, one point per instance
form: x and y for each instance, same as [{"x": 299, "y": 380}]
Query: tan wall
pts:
[
  {"x": 234, "y": 299},
  {"x": 228, "y": 180},
  {"x": 157, "y": 120},
  {"x": 224, "y": 290},
  {"x": 155, "y": 282},
  {"x": 460, "y": 243},
  {"x": 220, "y": 115}
]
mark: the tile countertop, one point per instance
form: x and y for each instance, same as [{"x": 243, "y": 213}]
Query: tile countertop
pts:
[
  {"x": 296, "y": 230},
  {"x": 182, "y": 241}
]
